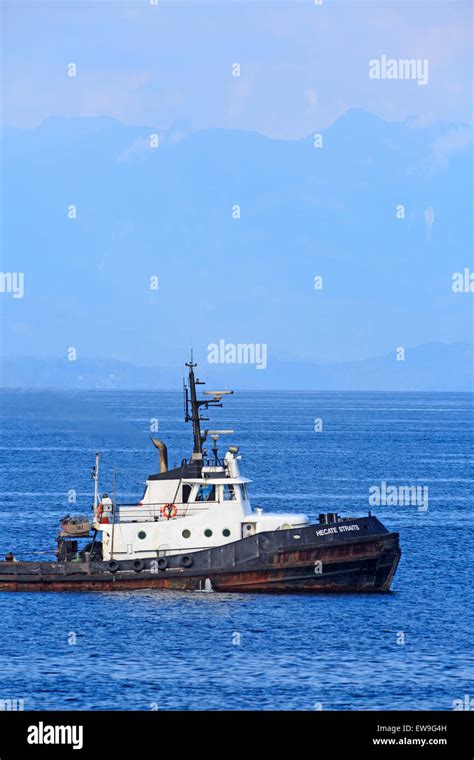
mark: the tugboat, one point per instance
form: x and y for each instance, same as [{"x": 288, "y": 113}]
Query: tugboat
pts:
[{"x": 195, "y": 529}]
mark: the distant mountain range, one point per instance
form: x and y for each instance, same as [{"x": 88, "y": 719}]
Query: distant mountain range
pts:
[
  {"x": 432, "y": 367},
  {"x": 305, "y": 212}
]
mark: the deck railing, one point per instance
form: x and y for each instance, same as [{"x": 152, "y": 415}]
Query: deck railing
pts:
[{"x": 153, "y": 512}]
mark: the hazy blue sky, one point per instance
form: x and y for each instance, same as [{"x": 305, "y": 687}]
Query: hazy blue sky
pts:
[
  {"x": 302, "y": 65},
  {"x": 229, "y": 140}
]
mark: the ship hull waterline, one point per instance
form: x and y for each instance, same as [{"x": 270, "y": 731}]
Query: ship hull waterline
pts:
[{"x": 347, "y": 565}]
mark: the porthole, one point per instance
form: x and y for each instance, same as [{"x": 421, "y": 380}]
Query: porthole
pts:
[
  {"x": 226, "y": 532},
  {"x": 208, "y": 532},
  {"x": 142, "y": 534},
  {"x": 186, "y": 533}
]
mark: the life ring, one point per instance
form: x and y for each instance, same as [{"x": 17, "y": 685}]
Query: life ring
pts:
[
  {"x": 138, "y": 565},
  {"x": 162, "y": 563},
  {"x": 169, "y": 511},
  {"x": 99, "y": 512},
  {"x": 113, "y": 565},
  {"x": 186, "y": 561}
]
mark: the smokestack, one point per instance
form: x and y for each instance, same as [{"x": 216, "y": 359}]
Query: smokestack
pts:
[{"x": 162, "y": 452}]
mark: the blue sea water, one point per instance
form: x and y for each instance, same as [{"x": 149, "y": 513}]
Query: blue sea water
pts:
[{"x": 411, "y": 649}]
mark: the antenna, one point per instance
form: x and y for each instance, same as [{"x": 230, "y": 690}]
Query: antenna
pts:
[
  {"x": 215, "y": 449},
  {"x": 95, "y": 477},
  {"x": 217, "y": 393},
  {"x": 192, "y": 406},
  {"x": 114, "y": 510},
  {"x": 215, "y": 437}
]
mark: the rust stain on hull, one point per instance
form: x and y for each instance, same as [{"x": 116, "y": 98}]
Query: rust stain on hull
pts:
[{"x": 365, "y": 566}]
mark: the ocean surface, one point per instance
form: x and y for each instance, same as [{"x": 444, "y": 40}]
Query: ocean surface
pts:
[{"x": 411, "y": 649}]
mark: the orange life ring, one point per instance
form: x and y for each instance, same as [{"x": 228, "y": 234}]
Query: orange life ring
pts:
[
  {"x": 99, "y": 511},
  {"x": 169, "y": 511}
]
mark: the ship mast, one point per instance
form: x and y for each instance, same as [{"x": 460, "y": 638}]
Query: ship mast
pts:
[{"x": 192, "y": 406}]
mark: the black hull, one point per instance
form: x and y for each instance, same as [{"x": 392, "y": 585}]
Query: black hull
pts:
[{"x": 350, "y": 556}]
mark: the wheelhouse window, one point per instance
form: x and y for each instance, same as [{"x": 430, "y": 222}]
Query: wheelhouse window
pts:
[
  {"x": 206, "y": 493},
  {"x": 245, "y": 493},
  {"x": 230, "y": 493}
]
